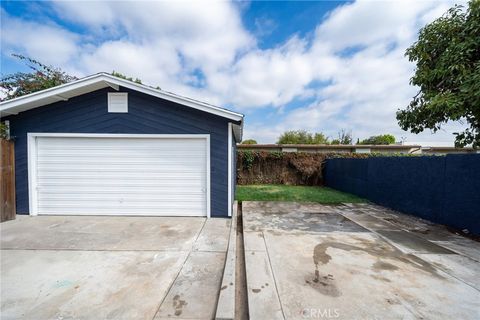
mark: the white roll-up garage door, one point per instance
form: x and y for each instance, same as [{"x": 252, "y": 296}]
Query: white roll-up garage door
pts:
[{"x": 155, "y": 175}]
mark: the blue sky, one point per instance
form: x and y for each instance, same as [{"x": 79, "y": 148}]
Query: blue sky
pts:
[{"x": 319, "y": 66}]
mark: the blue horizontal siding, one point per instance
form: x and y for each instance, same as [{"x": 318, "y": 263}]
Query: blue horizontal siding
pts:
[{"x": 146, "y": 115}]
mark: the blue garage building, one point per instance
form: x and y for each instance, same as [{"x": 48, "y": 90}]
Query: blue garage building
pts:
[{"x": 103, "y": 145}]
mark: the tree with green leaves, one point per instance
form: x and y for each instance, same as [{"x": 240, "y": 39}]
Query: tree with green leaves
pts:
[
  {"x": 249, "y": 141},
  {"x": 319, "y": 138},
  {"x": 383, "y": 139},
  {"x": 447, "y": 57},
  {"x": 302, "y": 137},
  {"x": 39, "y": 78}
]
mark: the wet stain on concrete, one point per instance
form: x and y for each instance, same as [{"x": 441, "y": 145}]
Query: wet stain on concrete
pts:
[
  {"x": 381, "y": 251},
  {"x": 382, "y": 265},
  {"x": 422, "y": 231},
  {"x": 413, "y": 242},
  {"x": 392, "y": 301},
  {"x": 380, "y": 278},
  {"x": 298, "y": 221},
  {"x": 323, "y": 284},
  {"x": 391, "y": 219},
  {"x": 178, "y": 305},
  {"x": 279, "y": 207},
  {"x": 345, "y": 219},
  {"x": 320, "y": 254}
]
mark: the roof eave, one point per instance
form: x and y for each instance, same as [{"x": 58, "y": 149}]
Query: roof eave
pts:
[{"x": 103, "y": 80}]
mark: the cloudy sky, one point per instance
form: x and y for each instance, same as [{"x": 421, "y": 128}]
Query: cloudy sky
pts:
[{"x": 319, "y": 66}]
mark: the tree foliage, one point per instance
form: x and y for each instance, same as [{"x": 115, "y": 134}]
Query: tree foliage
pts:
[
  {"x": 302, "y": 137},
  {"x": 344, "y": 137},
  {"x": 39, "y": 78},
  {"x": 447, "y": 57},
  {"x": 382, "y": 139},
  {"x": 249, "y": 141},
  {"x": 136, "y": 80},
  {"x": 122, "y": 76}
]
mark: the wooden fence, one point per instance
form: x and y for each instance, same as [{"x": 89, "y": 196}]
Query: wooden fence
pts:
[{"x": 7, "y": 180}]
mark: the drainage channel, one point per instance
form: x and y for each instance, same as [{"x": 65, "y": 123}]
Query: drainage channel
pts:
[{"x": 241, "y": 298}]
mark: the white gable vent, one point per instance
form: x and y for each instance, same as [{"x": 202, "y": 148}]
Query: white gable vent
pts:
[{"x": 118, "y": 102}]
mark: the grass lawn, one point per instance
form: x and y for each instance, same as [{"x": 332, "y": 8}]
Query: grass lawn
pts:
[{"x": 293, "y": 193}]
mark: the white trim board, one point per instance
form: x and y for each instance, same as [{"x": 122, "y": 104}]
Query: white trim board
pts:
[
  {"x": 99, "y": 81},
  {"x": 32, "y": 158},
  {"x": 230, "y": 191}
]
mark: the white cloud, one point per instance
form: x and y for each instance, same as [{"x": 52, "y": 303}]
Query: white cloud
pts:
[
  {"x": 368, "y": 22},
  {"x": 46, "y": 42},
  {"x": 205, "y": 35},
  {"x": 202, "y": 50}
]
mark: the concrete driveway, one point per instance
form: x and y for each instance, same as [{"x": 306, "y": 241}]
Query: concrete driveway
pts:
[
  {"x": 59, "y": 267},
  {"x": 310, "y": 261}
]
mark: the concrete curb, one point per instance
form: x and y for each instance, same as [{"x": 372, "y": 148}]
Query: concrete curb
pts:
[
  {"x": 226, "y": 298},
  {"x": 262, "y": 294}
]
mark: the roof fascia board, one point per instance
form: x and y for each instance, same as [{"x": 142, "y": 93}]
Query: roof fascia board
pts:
[
  {"x": 115, "y": 83},
  {"x": 54, "y": 91}
]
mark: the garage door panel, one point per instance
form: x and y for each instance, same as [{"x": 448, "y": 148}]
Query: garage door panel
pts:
[
  {"x": 115, "y": 189},
  {"x": 46, "y": 198},
  {"x": 176, "y": 163},
  {"x": 124, "y": 176},
  {"x": 190, "y": 212},
  {"x": 99, "y": 169},
  {"x": 67, "y": 175},
  {"x": 102, "y": 183},
  {"x": 152, "y": 153},
  {"x": 151, "y": 204},
  {"x": 121, "y": 193},
  {"x": 194, "y": 145}
]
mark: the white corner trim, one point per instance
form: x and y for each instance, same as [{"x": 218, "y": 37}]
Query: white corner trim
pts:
[
  {"x": 32, "y": 158},
  {"x": 207, "y": 137},
  {"x": 32, "y": 174},
  {"x": 230, "y": 165}
]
